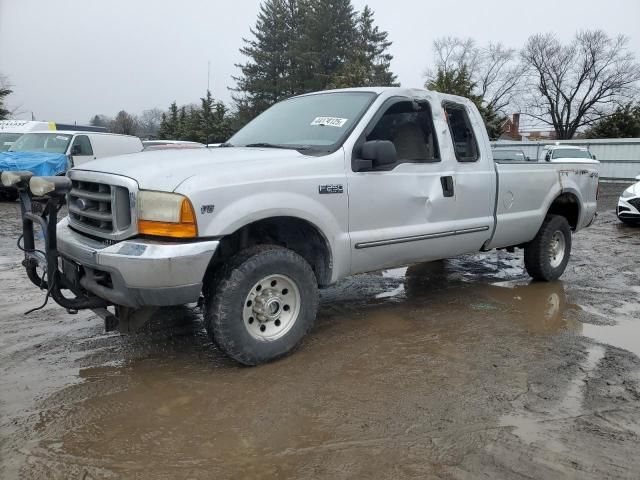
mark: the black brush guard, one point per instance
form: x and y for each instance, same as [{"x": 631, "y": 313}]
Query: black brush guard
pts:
[{"x": 53, "y": 280}]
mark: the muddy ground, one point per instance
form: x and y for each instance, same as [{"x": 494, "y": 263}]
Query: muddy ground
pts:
[{"x": 458, "y": 369}]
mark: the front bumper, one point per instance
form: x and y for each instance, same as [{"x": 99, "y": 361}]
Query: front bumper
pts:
[
  {"x": 138, "y": 272},
  {"x": 627, "y": 211}
]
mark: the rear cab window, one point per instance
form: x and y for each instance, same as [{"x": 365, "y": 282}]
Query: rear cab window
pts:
[{"x": 464, "y": 140}]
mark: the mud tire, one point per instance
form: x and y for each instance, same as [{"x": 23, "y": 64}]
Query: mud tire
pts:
[
  {"x": 226, "y": 291},
  {"x": 537, "y": 258}
]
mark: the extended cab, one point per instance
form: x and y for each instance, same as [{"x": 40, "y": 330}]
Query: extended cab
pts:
[{"x": 318, "y": 187}]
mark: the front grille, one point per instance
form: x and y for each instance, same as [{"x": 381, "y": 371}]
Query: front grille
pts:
[
  {"x": 99, "y": 208},
  {"x": 636, "y": 203}
]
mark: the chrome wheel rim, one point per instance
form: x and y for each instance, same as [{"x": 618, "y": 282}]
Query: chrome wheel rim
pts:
[
  {"x": 556, "y": 249},
  {"x": 271, "y": 307}
]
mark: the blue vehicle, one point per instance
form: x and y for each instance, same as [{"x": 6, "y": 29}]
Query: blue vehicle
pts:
[{"x": 51, "y": 153}]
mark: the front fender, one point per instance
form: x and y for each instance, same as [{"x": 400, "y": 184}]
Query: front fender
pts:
[{"x": 329, "y": 219}]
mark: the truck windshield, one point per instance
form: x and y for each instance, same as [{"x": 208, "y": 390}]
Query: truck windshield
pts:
[
  {"x": 310, "y": 122},
  {"x": 41, "y": 142},
  {"x": 570, "y": 153},
  {"x": 7, "y": 139}
]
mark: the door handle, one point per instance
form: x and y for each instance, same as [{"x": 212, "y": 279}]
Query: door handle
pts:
[{"x": 447, "y": 186}]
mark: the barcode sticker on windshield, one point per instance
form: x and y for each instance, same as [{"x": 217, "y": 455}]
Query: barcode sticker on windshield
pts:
[{"x": 329, "y": 121}]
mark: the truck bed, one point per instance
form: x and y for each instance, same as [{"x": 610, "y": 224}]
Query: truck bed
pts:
[{"x": 526, "y": 189}]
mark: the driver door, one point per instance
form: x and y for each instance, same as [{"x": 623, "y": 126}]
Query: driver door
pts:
[{"x": 402, "y": 213}]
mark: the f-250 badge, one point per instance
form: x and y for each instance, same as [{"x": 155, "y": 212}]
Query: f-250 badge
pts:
[{"x": 327, "y": 189}]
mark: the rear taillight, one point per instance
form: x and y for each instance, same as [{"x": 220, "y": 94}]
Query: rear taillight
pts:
[{"x": 598, "y": 190}]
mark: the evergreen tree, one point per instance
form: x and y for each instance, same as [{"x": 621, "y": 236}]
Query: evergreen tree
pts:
[
  {"x": 191, "y": 129},
  {"x": 209, "y": 122},
  {"x": 305, "y": 45},
  {"x": 373, "y": 49},
  {"x": 163, "y": 131},
  {"x": 623, "y": 123},
  {"x": 181, "y": 127},
  {"x": 267, "y": 78},
  {"x": 455, "y": 82},
  {"x": 169, "y": 128},
  {"x": 327, "y": 44}
]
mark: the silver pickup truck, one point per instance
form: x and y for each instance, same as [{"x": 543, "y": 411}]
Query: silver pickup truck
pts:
[{"x": 317, "y": 188}]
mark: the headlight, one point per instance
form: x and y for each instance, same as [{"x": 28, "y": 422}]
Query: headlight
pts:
[
  {"x": 56, "y": 186},
  {"x": 628, "y": 193},
  {"x": 166, "y": 215},
  {"x": 11, "y": 179}
]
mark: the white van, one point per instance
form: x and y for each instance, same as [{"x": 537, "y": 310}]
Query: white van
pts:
[
  {"x": 11, "y": 130},
  {"x": 78, "y": 146}
]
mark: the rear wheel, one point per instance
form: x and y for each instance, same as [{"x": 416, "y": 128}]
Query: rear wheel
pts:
[
  {"x": 261, "y": 303},
  {"x": 547, "y": 255}
]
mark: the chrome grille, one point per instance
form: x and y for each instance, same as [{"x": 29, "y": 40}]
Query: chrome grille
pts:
[{"x": 99, "y": 208}]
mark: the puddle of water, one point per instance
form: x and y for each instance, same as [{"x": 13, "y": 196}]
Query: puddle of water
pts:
[{"x": 625, "y": 334}]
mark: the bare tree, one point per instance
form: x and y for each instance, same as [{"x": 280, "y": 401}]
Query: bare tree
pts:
[
  {"x": 574, "y": 85},
  {"x": 125, "y": 124},
  {"x": 5, "y": 91},
  {"x": 493, "y": 70},
  {"x": 499, "y": 76},
  {"x": 150, "y": 122}
]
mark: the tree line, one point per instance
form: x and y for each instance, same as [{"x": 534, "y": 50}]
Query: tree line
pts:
[{"x": 588, "y": 85}]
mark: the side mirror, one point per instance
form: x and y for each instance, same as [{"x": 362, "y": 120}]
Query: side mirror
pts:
[
  {"x": 377, "y": 153},
  {"x": 593, "y": 156},
  {"x": 638, "y": 177},
  {"x": 76, "y": 150}
]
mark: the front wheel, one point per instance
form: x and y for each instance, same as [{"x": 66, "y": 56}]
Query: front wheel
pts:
[
  {"x": 261, "y": 303},
  {"x": 547, "y": 255}
]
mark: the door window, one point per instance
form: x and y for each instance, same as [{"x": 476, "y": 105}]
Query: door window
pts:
[
  {"x": 464, "y": 141},
  {"x": 409, "y": 125},
  {"x": 81, "y": 146}
]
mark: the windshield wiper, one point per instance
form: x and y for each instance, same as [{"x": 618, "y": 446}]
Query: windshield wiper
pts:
[{"x": 275, "y": 145}]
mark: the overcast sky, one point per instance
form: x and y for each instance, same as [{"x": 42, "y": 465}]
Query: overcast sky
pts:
[{"x": 71, "y": 59}]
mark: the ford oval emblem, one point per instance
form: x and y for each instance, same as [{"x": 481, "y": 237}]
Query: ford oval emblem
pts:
[{"x": 81, "y": 203}]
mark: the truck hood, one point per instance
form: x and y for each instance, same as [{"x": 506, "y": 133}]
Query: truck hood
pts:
[{"x": 164, "y": 170}]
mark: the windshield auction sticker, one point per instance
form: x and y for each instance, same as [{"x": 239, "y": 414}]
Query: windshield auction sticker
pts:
[{"x": 329, "y": 121}]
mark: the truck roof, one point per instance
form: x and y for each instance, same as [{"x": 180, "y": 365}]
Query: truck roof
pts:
[{"x": 398, "y": 91}]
